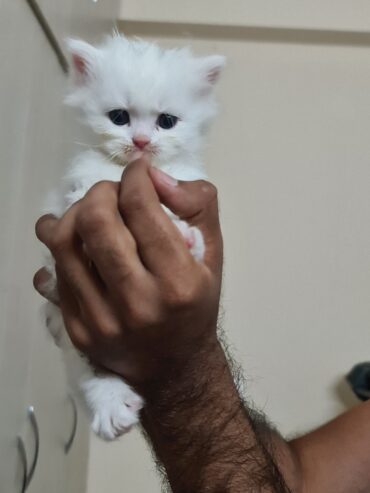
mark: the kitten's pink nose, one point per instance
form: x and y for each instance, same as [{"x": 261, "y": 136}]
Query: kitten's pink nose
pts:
[{"x": 141, "y": 141}]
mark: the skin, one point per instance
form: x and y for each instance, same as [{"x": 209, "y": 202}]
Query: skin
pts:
[{"x": 137, "y": 303}]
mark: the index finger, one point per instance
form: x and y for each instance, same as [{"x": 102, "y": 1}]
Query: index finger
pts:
[{"x": 159, "y": 242}]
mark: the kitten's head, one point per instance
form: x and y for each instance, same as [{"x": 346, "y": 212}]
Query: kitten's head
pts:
[{"x": 142, "y": 99}]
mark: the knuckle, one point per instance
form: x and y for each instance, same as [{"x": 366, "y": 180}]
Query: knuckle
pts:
[
  {"x": 136, "y": 319},
  {"x": 109, "y": 329},
  {"x": 59, "y": 243},
  {"x": 102, "y": 189},
  {"x": 44, "y": 226},
  {"x": 132, "y": 202},
  {"x": 209, "y": 190},
  {"x": 80, "y": 339},
  {"x": 93, "y": 217},
  {"x": 39, "y": 228},
  {"x": 94, "y": 211},
  {"x": 182, "y": 296},
  {"x": 139, "y": 317}
]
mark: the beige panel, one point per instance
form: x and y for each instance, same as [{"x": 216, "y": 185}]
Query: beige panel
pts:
[
  {"x": 77, "y": 459},
  {"x": 328, "y": 14},
  {"x": 89, "y": 19},
  {"x": 293, "y": 173},
  {"x": 48, "y": 155},
  {"x": 14, "y": 321},
  {"x": 124, "y": 465},
  {"x": 56, "y": 135},
  {"x": 60, "y": 132},
  {"x": 37, "y": 139}
]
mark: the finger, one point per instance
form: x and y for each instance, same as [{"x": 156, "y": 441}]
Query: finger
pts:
[
  {"x": 74, "y": 267},
  {"x": 107, "y": 240},
  {"x": 60, "y": 236},
  {"x": 45, "y": 227},
  {"x": 187, "y": 199},
  {"x": 77, "y": 331},
  {"x": 195, "y": 202},
  {"x": 88, "y": 290},
  {"x": 44, "y": 284},
  {"x": 159, "y": 242}
]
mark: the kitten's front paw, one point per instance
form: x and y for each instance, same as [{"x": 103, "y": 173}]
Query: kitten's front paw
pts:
[
  {"x": 193, "y": 238},
  {"x": 116, "y": 410}
]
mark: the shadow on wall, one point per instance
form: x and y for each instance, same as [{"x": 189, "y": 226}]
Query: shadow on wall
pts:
[
  {"x": 344, "y": 393},
  {"x": 245, "y": 33}
]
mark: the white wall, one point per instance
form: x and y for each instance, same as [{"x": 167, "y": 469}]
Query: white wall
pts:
[{"x": 290, "y": 156}]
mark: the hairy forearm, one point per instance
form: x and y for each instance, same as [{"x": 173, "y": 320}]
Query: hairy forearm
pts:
[
  {"x": 204, "y": 436},
  {"x": 201, "y": 432}
]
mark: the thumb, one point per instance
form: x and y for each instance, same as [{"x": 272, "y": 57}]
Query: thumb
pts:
[
  {"x": 186, "y": 199},
  {"x": 196, "y": 203}
]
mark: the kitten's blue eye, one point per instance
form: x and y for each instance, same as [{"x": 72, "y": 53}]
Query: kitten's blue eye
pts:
[
  {"x": 167, "y": 121},
  {"x": 119, "y": 117}
]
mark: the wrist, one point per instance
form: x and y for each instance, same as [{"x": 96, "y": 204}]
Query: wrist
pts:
[
  {"x": 180, "y": 370},
  {"x": 150, "y": 363},
  {"x": 195, "y": 419}
]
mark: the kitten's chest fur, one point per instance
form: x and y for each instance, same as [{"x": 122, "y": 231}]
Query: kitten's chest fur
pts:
[{"x": 91, "y": 167}]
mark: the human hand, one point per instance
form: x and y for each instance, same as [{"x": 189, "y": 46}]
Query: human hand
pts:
[{"x": 132, "y": 296}]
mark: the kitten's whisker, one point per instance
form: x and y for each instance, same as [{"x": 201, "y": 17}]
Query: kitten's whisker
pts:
[
  {"x": 87, "y": 145},
  {"x": 114, "y": 155}
]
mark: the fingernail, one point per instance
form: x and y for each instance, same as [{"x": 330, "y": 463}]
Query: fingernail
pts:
[{"x": 165, "y": 178}]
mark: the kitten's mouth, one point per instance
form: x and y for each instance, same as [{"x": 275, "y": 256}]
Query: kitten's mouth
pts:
[
  {"x": 135, "y": 153},
  {"x": 129, "y": 154}
]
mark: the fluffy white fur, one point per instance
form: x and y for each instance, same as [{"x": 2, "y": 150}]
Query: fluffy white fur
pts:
[{"x": 146, "y": 81}]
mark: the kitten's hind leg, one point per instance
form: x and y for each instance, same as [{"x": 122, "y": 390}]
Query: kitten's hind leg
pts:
[
  {"x": 111, "y": 404},
  {"x": 113, "y": 407}
]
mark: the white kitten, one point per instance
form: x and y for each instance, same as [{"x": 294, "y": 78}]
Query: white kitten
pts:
[{"x": 140, "y": 100}]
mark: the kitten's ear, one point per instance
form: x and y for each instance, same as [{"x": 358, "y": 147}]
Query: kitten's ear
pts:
[
  {"x": 211, "y": 68},
  {"x": 83, "y": 59}
]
